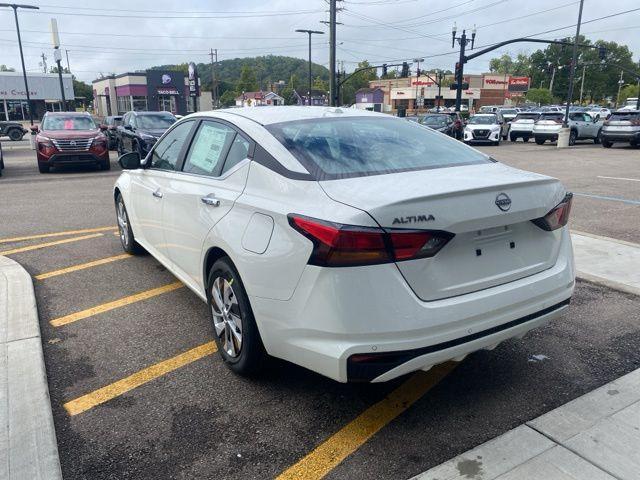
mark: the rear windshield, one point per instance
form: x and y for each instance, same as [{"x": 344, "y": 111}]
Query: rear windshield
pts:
[
  {"x": 527, "y": 116},
  {"x": 551, "y": 116},
  {"x": 68, "y": 122},
  {"x": 628, "y": 116},
  {"x": 333, "y": 148},
  {"x": 508, "y": 112}
]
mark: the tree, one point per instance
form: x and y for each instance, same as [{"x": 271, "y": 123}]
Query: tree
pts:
[
  {"x": 228, "y": 98},
  {"x": 4, "y": 68},
  {"x": 507, "y": 65},
  {"x": 357, "y": 81},
  {"x": 320, "y": 84},
  {"x": 287, "y": 92},
  {"x": 630, "y": 91},
  {"x": 247, "y": 81},
  {"x": 541, "y": 96}
]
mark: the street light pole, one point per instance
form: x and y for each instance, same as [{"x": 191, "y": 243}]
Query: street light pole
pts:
[
  {"x": 332, "y": 53},
  {"x": 463, "y": 41},
  {"x": 417, "y": 60},
  {"x": 309, "y": 32},
  {"x": 572, "y": 67},
  {"x": 15, "y": 7}
]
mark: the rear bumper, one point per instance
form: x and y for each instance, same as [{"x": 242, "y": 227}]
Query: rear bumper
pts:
[
  {"x": 337, "y": 313},
  {"x": 547, "y": 136},
  {"x": 620, "y": 136}
]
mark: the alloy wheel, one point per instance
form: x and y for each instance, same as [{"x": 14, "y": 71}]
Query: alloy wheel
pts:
[
  {"x": 123, "y": 224},
  {"x": 227, "y": 319}
]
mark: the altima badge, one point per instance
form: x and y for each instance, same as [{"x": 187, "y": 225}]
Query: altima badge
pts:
[
  {"x": 503, "y": 202},
  {"x": 414, "y": 219}
]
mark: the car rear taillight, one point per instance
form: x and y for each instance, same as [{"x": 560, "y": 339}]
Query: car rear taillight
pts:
[
  {"x": 635, "y": 122},
  {"x": 557, "y": 217},
  {"x": 339, "y": 245}
]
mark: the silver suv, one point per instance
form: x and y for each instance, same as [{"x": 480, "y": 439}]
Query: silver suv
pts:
[
  {"x": 622, "y": 126},
  {"x": 582, "y": 126}
]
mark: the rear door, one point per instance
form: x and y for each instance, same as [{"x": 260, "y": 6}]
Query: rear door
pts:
[{"x": 212, "y": 178}]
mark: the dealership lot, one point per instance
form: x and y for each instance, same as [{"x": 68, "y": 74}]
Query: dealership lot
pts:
[{"x": 138, "y": 391}]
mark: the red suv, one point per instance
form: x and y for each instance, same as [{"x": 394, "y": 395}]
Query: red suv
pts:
[{"x": 70, "y": 138}]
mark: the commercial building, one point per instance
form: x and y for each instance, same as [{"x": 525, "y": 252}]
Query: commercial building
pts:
[
  {"x": 155, "y": 90},
  {"x": 258, "y": 99},
  {"x": 417, "y": 94},
  {"x": 44, "y": 89},
  {"x": 370, "y": 99}
]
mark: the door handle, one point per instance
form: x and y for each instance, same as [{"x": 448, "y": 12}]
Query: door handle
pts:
[
  {"x": 157, "y": 194},
  {"x": 210, "y": 200}
]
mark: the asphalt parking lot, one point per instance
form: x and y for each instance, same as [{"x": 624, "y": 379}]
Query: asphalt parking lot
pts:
[{"x": 138, "y": 391}]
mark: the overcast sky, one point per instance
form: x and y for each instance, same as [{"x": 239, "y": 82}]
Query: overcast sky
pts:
[{"x": 121, "y": 35}]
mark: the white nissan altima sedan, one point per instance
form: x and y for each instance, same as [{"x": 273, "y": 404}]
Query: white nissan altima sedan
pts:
[{"x": 356, "y": 244}]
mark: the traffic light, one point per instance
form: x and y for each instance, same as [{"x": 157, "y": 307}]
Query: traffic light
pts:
[
  {"x": 465, "y": 86},
  {"x": 405, "y": 70},
  {"x": 602, "y": 53},
  {"x": 384, "y": 69}
]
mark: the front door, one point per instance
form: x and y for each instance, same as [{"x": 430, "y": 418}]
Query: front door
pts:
[
  {"x": 213, "y": 176},
  {"x": 148, "y": 187}
]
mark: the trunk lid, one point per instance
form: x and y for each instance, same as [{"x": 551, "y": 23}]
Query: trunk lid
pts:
[{"x": 491, "y": 246}]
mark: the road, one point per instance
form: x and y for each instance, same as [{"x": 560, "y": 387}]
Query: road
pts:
[{"x": 137, "y": 391}]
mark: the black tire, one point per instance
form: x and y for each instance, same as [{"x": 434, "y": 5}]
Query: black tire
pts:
[
  {"x": 606, "y": 143},
  {"x": 15, "y": 134},
  {"x": 540, "y": 141},
  {"x": 512, "y": 137},
  {"x": 525, "y": 139},
  {"x": 125, "y": 232},
  {"x": 496, "y": 144},
  {"x": 105, "y": 165},
  {"x": 119, "y": 147},
  {"x": 596, "y": 140},
  {"x": 573, "y": 136},
  {"x": 246, "y": 356},
  {"x": 43, "y": 168}
]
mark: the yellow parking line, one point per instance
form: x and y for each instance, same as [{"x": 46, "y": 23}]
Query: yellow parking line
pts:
[
  {"x": 121, "y": 302},
  {"x": 104, "y": 394},
  {"x": 82, "y": 266},
  {"x": 48, "y": 244},
  {"x": 56, "y": 234},
  {"x": 329, "y": 454}
]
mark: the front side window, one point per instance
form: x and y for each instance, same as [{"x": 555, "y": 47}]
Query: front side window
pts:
[
  {"x": 68, "y": 122},
  {"x": 166, "y": 152},
  {"x": 209, "y": 149},
  {"x": 333, "y": 148}
]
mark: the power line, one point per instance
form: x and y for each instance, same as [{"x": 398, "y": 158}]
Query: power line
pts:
[{"x": 173, "y": 17}]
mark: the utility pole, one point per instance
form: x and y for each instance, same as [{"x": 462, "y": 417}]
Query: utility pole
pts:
[
  {"x": 214, "y": 82},
  {"x": 417, "y": 60},
  {"x": 57, "y": 55},
  {"x": 572, "y": 67},
  {"x": 463, "y": 41},
  {"x": 68, "y": 66},
  {"x": 43, "y": 63},
  {"x": 584, "y": 67},
  {"x": 310, "y": 32},
  {"x": 332, "y": 53},
  {"x": 620, "y": 83},
  {"x": 24, "y": 70},
  {"x": 553, "y": 76}
]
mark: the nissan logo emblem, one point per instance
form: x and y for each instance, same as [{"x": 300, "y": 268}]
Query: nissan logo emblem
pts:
[
  {"x": 73, "y": 143},
  {"x": 503, "y": 202}
]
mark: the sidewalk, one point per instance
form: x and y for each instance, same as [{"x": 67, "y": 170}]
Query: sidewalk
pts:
[
  {"x": 28, "y": 448},
  {"x": 594, "y": 437}
]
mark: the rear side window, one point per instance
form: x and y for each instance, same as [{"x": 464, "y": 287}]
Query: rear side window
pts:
[{"x": 333, "y": 148}]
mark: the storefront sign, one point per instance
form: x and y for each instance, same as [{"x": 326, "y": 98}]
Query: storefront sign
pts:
[
  {"x": 495, "y": 82},
  {"x": 41, "y": 86},
  {"x": 519, "y": 84},
  {"x": 168, "y": 91}
]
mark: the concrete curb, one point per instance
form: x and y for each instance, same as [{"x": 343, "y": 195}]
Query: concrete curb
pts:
[{"x": 28, "y": 447}]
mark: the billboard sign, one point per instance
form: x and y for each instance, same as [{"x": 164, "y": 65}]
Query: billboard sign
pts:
[{"x": 43, "y": 86}]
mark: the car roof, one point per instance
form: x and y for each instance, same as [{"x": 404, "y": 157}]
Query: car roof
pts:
[
  {"x": 151, "y": 113},
  {"x": 484, "y": 115},
  {"x": 276, "y": 114}
]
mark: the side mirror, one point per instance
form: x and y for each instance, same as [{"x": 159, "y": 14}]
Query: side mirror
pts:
[
  {"x": 129, "y": 161},
  {"x": 34, "y": 129},
  {"x": 112, "y": 127},
  {"x": 103, "y": 127},
  {"x": 128, "y": 127},
  {"x": 597, "y": 118}
]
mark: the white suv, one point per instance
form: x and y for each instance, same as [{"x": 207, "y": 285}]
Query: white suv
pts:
[{"x": 522, "y": 126}]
